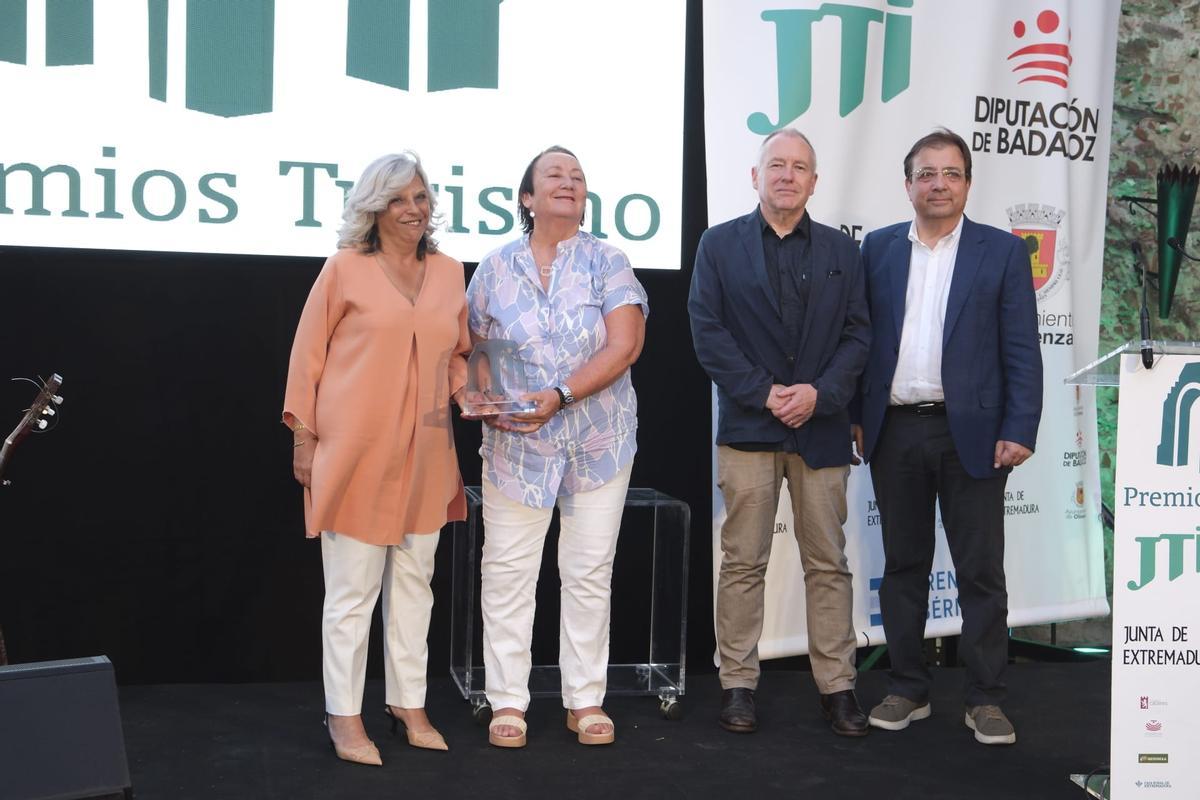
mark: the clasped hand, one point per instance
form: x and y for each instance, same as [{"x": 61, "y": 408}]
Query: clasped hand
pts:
[{"x": 792, "y": 405}]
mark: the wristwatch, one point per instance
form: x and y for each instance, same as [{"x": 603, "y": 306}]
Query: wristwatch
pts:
[{"x": 565, "y": 398}]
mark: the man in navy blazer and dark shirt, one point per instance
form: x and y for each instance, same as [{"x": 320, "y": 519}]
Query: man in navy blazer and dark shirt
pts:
[
  {"x": 950, "y": 403},
  {"x": 779, "y": 322}
]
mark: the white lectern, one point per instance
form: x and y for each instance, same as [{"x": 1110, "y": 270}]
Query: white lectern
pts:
[{"x": 1155, "y": 720}]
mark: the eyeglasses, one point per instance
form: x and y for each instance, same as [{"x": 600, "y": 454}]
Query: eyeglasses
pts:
[{"x": 927, "y": 174}]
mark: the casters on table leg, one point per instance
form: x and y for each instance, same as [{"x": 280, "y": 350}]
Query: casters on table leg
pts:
[
  {"x": 482, "y": 712},
  {"x": 671, "y": 709}
]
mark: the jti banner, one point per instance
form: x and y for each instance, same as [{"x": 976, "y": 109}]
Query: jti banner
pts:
[
  {"x": 1156, "y": 580},
  {"x": 1028, "y": 83}
]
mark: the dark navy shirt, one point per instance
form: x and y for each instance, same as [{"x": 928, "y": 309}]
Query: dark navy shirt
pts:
[{"x": 789, "y": 270}]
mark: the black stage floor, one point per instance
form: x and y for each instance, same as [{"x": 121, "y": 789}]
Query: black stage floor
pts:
[{"x": 266, "y": 741}]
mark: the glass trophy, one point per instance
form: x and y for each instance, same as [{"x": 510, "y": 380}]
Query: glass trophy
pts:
[{"x": 496, "y": 381}]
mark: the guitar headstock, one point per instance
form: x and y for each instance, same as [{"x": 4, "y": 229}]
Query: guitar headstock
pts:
[{"x": 36, "y": 418}]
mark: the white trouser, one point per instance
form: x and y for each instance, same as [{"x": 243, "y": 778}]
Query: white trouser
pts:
[
  {"x": 514, "y": 535},
  {"x": 354, "y": 575}
]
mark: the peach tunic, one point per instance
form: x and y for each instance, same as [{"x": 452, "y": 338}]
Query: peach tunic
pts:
[{"x": 371, "y": 375}]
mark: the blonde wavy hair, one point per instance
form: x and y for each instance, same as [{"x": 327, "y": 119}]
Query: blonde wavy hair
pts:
[{"x": 381, "y": 182}]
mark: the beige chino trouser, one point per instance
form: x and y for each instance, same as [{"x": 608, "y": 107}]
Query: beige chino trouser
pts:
[
  {"x": 750, "y": 484},
  {"x": 355, "y": 575}
]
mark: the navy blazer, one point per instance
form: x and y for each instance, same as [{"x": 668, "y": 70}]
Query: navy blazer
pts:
[
  {"x": 741, "y": 343},
  {"x": 991, "y": 353}
]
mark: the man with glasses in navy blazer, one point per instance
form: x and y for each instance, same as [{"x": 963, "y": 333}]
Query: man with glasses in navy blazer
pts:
[
  {"x": 779, "y": 323},
  {"x": 950, "y": 403}
]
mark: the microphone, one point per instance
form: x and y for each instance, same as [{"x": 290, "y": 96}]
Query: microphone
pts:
[
  {"x": 1144, "y": 314},
  {"x": 1174, "y": 244}
]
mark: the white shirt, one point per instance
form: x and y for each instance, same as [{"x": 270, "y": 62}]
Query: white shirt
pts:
[{"x": 918, "y": 376}]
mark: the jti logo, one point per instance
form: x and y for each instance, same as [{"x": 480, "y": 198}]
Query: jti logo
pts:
[
  {"x": 1177, "y": 417},
  {"x": 794, "y": 57}
]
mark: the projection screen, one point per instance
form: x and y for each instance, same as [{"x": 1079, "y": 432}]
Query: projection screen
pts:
[{"x": 236, "y": 126}]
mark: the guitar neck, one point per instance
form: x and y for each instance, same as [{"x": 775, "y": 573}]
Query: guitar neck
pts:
[
  {"x": 10, "y": 444},
  {"x": 45, "y": 397},
  {"x": 5, "y": 454}
]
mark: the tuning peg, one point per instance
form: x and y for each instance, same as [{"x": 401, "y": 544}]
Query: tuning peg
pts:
[
  {"x": 42, "y": 424},
  {"x": 57, "y": 399},
  {"x": 48, "y": 411}
]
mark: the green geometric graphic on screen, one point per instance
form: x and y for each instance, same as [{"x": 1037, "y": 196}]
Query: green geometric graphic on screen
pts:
[
  {"x": 230, "y": 46},
  {"x": 156, "y": 37},
  {"x": 68, "y": 32},
  {"x": 377, "y": 45},
  {"x": 795, "y": 70},
  {"x": 230, "y": 56},
  {"x": 14, "y": 20},
  {"x": 464, "y": 44},
  {"x": 1177, "y": 417}
]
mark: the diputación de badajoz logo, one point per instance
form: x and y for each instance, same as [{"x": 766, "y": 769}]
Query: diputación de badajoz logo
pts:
[
  {"x": 1045, "y": 120},
  {"x": 230, "y": 47},
  {"x": 1047, "y": 60},
  {"x": 795, "y": 70},
  {"x": 1039, "y": 225}
]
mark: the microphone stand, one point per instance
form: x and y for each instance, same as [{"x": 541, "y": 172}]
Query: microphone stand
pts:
[{"x": 1144, "y": 314}]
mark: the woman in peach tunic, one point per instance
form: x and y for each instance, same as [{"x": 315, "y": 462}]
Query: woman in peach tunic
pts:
[{"x": 378, "y": 355}]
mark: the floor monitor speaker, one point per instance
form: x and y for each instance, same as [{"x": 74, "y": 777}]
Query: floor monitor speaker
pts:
[{"x": 60, "y": 731}]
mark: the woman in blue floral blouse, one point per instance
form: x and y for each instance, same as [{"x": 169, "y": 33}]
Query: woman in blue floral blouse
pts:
[{"x": 577, "y": 314}]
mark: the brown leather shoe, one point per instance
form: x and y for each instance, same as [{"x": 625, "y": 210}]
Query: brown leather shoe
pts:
[
  {"x": 843, "y": 713},
  {"x": 737, "y": 711}
]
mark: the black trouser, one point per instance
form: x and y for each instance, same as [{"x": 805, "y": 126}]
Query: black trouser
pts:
[{"x": 915, "y": 465}]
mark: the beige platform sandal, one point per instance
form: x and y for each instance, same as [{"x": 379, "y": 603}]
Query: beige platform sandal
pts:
[
  {"x": 580, "y": 726},
  {"x": 506, "y": 741}
]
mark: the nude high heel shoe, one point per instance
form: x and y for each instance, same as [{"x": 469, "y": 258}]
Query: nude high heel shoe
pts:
[
  {"x": 367, "y": 754},
  {"x": 426, "y": 740}
]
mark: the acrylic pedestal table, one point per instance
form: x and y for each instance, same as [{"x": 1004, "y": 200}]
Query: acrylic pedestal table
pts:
[{"x": 647, "y": 655}]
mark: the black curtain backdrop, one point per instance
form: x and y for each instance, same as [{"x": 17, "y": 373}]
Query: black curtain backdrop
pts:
[{"x": 159, "y": 523}]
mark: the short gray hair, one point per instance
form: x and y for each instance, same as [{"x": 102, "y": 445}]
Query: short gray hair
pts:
[
  {"x": 795, "y": 134},
  {"x": 381, "y": 182}
]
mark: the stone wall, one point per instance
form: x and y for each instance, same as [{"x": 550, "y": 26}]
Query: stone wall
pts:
[{"x": 1156, "y": 120}]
